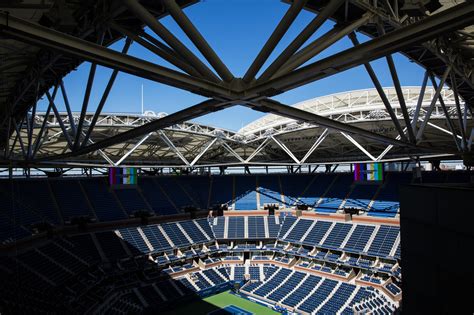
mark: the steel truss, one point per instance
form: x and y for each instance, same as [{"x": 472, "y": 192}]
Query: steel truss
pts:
[
  {"x": 271, "y": 139},
  {"x": 37, "y": 139}
]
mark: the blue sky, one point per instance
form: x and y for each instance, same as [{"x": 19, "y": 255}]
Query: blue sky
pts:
[{"x": 236, "y": 29}]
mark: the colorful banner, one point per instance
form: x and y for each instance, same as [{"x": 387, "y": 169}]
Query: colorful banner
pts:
[
  {"x": 123, "y": 176},
  {"x": 368, "y": 172}
]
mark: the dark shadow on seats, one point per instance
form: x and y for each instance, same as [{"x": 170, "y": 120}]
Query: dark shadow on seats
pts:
[{"x": 85, "y": 273}]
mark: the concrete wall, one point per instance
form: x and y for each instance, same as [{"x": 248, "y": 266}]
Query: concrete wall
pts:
[{"x": 437, "y": 234}]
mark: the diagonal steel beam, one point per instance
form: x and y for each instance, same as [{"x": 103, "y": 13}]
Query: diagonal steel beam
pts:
[
  {"x": 230, "y": 150},
  {"x": 458, "y": 110},
  {"x": 274, "y": 39},
  {"x": 85, "y": 103},
  {"x": 103, "y": 155},
  {"x": 73, "y": 46},
  {"x": 167, "y": 121},
  {"x": 316, "y": 144},
  {"x": 142, "y": 13},
  {"x": 171, "y": 145},
  {"x": 359, "y": 146},
  {"x": 380, "y": 91},
  {"x": 305, "y": 34},
  {"x": 433, "y": 103},
  {"x": 60, "y": 120},
  {"x": 257, "y": 151},
  {"x": 285, "y": 148},
  {"x": 169, "y": 57},
  {"x": 20, "y": 140},
  {"x": 203, "y": 151},
  {"x": 198, "y": 40},
  {"x": 139, "y": 143},
  {"x": 104, "y": 97},
  {"x": 454, "y": 18},
  {"x": 68, "y": 106},
  {"x": 446, "y": 115},
  {"x": 43, "y": 125},
  {"x": 398, "y": 89},
  {"x": 420, "y": 101},
  {"x": 268, "y": 105},
  {"x": 401, "y": 98},
  {"x": 31, "y": 128},
  {"x": 321, "y": 43}
]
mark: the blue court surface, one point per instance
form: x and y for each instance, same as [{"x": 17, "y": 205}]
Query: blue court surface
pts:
[{"x": 230, "y": 309}]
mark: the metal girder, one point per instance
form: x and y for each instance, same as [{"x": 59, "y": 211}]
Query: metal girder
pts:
[
  {"x": 248, "y": 94},
  {"x": 159, "y": 51},
  {"x": 104, "y": 97},
  {"x": 459, "y": 113},
  {"x": 204, "y": 150},
  {"x": 45, "y": 121},
  {"x": 67, "y": 105},
  {"x": 274, "y": 39},
  {"x": 139, "y": 143},
  {"x": 322, "y": 43},
  {"x": 401, "y": 98},
  {"x": 432, "y": 105},
  {"x": 20, "y": 140},
  {"x": 380, "y": 90},
  {"x": 171, "y": 145},
  {"x": 446, "y": 115},
  {"x": 285, "y": 148},
  {"x": 85, "y": 103},
  {"x": 191, "y": 31},
  {"x": 316, "y": 144},
  {"x": 180, "y": 116},
  {"x": 230, "y": 150},
  {"x": 359, "y": 146},
  {"x": 88, "y": 51},
  {"x": 420, "y": 102},
  {"x": 258, "y": 150},
  {"x": 277, "y": 108},
  {"x": 305, "y": 34},
  {"x": 143, "y": 14},
  {"x": 60, "y": 120},
  {"x": 448, "y": 20}
]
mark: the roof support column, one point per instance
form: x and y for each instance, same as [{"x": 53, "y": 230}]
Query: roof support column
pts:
[
  {"x": 380, "y": 90},
  {"x": 458, "y": 110},
  {"x": 257, "y": 151},
  {"x": 359, "y": 146},
  {"x": 420, "y": 102},
  {"x": 139, "y": 143},
  {"x": 43, "y": 125},
  {"x": 285, "y": 148},
  {"x": 309, "y": 30},
  {"x": 158, "y": 28},
  {"x": 321, "y": 43},
  {"x": 60, "y": 120},
  {"x": 171, "y": 145},
  {"x": 316, "y": 144},
  {"x": 432, "y": 105},
  {"x": 198, "y": 40},
  {"x": 209, "y": 145},
  {"x": 104, "y": 97},
  {"x": 274, "y": 39}
]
